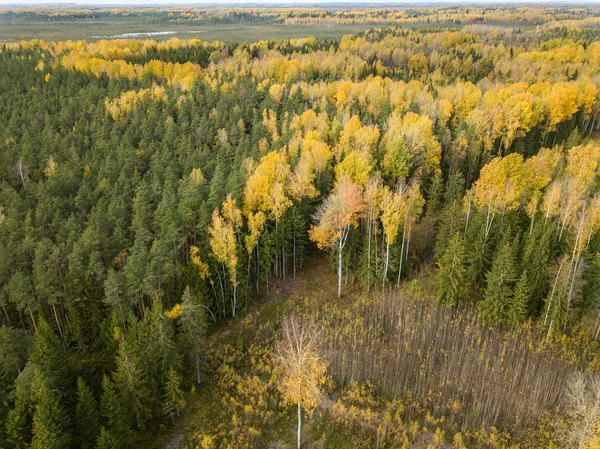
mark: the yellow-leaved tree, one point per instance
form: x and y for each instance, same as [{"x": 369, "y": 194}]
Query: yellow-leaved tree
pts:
[
  {"x": 302, "y": 369},
  {"x": 224, "y": 248}
]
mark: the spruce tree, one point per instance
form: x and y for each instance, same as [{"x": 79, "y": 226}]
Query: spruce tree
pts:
[
  {"x": 131, "y": 384},
  {"x": 18, "y": 422},
  {"x": 106, "y": 440},
  {"x": 49, "y": 355},
  {"x": 500, "y": 280},
  {"x": 50, "y": 421},
  {"x": 452, "y": 273},
  {"x": 114, "y": 412},
  {"x": 516, "y": 311},
  {"x": 193, "y": 325},
  {"x": 87, "y": 419},
  {"x": 174, "y": 397}
]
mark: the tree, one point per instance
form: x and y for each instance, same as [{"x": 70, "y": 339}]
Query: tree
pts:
[
  {"x": 87, "y": 419},
  {"x": 131, "y": 384},
  {"x": 114, "y": 411},
  {"x": 106, "y": 440},
  {"x": 393, "y": 212},
  {"x": 192, "y": 320},
  {"x": 50, "y": 421},
  {"x": 583, "y": 401},
  {"x": 18, "y": 422},
  {"x": 224, "y": 247},
  {"x": 174, "y": 397},
  {"x": 500, "y": 280},
  {"x": 452, "y": 273},
  {"x": 516, "y": 312},
  {"x": 303, "y": 370},
  {"x": 499, "y": 187},
  {"x": 334, "y": 219}
]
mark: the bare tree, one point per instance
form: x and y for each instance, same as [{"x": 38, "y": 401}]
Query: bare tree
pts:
[
  {"x": 583, "y": 401},
  {"x": 21, "y": 171},
  {"x": 303, "y": 370}
]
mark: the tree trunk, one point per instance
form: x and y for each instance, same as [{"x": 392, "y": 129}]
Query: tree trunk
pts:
[
  {"x": 197, "y": 356},
  {"x": 340, "y": 268},
  {"x": 32, "y": 318},
  {"x": 299, "y": 423},
  {"x": 387, "y": 262}
]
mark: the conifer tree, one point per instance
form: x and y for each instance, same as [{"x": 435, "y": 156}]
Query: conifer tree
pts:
[
  {"x": 49, "y": 355},
  {"x": 452, "y": 273},
  {"x": 516, "y": 311},
  {"x": 87, "y": 419},
  {"x": 500, "y": 280},
  {"x": 106, "y": 440},
  {"x": 50, "y": 421},
  {"x": 174, "y": 397},
  {"x": 193, "y": 325},
  {"x": 18, "y": 422},
  {"x": 131, "y": 385},
  {"x": 114, "y": 412}
]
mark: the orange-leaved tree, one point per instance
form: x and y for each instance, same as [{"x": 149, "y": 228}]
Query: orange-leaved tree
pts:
[{"x": 335, "y": 217}]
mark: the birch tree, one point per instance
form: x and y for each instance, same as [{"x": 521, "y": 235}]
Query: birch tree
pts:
[
  {"x": 303, "y": 370},
  {"x": 334, "y": 219}
]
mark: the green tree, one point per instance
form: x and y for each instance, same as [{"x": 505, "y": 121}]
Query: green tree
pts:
[
  {"x": 193, "y": 326},
  {"x": 87, "y": 419},
  {"x": 452, "y": 273},
  {"x": 500, "y": 281},
  {"x": 114, "y": 412},
  {"x": 518, "y": 305},
  {"x": 174, "y": 397},
  {"x": 131, "y": 385},
  {"x": 18, "y": 422},
  {"x": 50, "y": 421},
  {"x": 106, "y": 440}
]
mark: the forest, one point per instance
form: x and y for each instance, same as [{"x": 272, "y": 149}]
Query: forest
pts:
[{"x": 388, "y": 239}]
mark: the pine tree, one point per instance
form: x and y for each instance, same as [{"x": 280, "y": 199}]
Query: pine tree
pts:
[
  {"x": 50, "y": 422},
  {"x": 452, "y": 273},
  {"x": 87, "y": 419},
  {"x": 500, "y": 280},
  {"x": 516, "y": 311}
]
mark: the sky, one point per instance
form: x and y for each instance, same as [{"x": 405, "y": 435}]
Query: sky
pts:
[{"x": 261, "y": 2}]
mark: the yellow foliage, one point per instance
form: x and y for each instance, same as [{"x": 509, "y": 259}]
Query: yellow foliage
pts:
[
  {"x": 175, "y": 312},
  {"x": 51, "y": 167}
]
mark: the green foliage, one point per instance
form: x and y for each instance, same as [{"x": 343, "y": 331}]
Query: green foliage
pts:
[
  {"x": 87, "y": 417},
  {"x": 174, "y": 397},
  {"x": 500, "y": 281},
  {"x": 516, "y": 312},
  {"x": 106, "y": 440},
  {"x": 50, "y": 421},
  {"x": 452, "y": 273},
  {"x": 114, "y": 412}
]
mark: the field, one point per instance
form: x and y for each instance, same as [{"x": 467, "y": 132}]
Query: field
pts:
[
  {"x": 11, "y": 30},
  {"x": 16, "y": 27}
]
